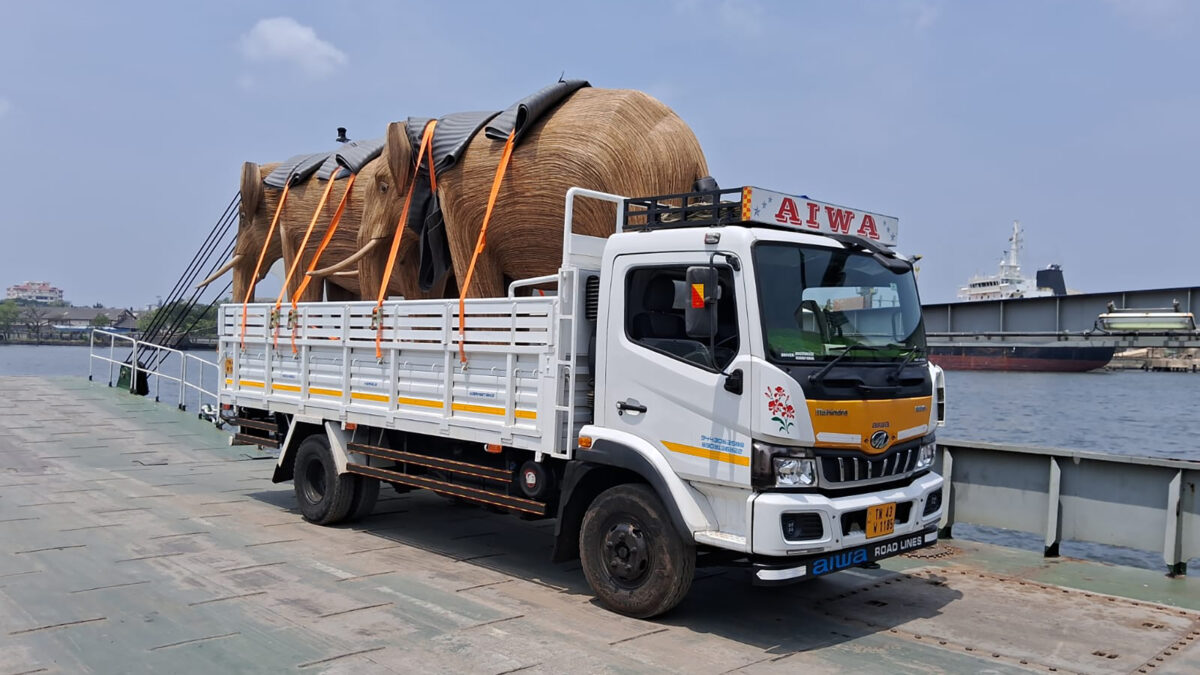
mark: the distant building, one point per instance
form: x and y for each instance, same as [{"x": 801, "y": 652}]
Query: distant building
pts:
[
  {"x": 35, "y": 291},
  {"x": 67, "y": 318}
]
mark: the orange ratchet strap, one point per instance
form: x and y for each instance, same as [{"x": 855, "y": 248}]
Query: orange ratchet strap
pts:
[
  {"x": 296, "y": 260},
  {"x": 333, "y": 226},
  {"x": 481, "y": 243},
  {"x": 262, "y": 254},
  {"x": 377, "y": 319}
]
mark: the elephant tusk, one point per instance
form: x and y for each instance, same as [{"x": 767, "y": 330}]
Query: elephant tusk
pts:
[
  {"x": 345, "y": 273},
  {"x": 224, "y": 268},
  {"x": 348, "y": 261}
]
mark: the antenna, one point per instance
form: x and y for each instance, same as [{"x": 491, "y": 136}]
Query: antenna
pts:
[{"x": 341, "y": 137}]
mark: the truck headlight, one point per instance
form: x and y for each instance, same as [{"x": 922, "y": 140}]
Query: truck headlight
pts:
[
  {"x": 782, "y": 466},
  {"x": 795, "y": 472},
  {"x": 925, "y": 456}
]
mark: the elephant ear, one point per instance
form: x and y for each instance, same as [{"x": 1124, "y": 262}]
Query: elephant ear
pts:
[
  {"x": 252, "y": 189},
  {"x": 398, "y": 153}
]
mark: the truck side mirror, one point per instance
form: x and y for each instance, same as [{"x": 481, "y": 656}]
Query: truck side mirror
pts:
[{"x": 700, "y": 312}]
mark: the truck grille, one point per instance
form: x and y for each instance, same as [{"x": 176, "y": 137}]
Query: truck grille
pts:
[{"x": 843, "y": 470}]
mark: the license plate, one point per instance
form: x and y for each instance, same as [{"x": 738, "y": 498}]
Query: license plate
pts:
[{"x": 881, "y": 520}]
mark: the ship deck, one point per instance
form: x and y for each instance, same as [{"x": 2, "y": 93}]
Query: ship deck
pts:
[{"x": 133, "y": 538}]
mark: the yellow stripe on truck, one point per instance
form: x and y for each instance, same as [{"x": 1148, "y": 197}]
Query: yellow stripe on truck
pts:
[
  {"x": 849, "y": 424},
  {"x": 402, "y": 400},
  {"x": 704, "y": 453}
]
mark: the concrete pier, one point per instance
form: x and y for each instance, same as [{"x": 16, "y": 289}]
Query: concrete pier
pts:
[{"x": 134, "y": 539}]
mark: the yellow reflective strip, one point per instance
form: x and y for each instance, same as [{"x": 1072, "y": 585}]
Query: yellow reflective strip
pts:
[
  {"x": 285, "y": 387},
  {"x": 250, "y": 383},
  {"x": 714, "y": 455},
  {"x": 228, "y": 381},
  {"x": 493, "y": 410},
  {"x": 363, "y": 396},
  {"x": 423, "y": 402},
  {"x": 324, "y": 392},
  {"x": 471, "y": 407}
]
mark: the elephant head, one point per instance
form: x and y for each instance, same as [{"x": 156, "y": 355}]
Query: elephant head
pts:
[
  {"x": 254, "y": 219},
  {"x": 388, "y": 180}
]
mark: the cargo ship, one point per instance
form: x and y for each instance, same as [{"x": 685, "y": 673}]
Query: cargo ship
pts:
[
  {"x": 1035, "y": 358},
  {"x": 1009, "y": 284}
]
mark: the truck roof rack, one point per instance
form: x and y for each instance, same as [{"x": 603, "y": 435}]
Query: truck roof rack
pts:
[{"x": 756, "y": 207}]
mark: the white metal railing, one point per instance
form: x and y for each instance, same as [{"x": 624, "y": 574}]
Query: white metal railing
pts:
[{"x": 191, "y": 368}]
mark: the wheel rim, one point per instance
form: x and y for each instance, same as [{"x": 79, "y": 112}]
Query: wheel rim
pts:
[
  {"x": 314, "y": 481},
  {"x": 626, "y": 553}
]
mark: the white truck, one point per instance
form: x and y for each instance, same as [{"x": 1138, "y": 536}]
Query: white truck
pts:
[{"x": 735, "y": 377}]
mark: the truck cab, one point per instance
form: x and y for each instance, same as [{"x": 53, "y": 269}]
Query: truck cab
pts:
[{"x": 780, "y": 374}]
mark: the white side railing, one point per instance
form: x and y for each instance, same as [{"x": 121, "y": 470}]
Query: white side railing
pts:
[{"x": 186, "y": 374}]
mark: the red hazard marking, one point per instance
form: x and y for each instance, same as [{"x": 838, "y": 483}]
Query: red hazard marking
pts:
[{"x": 697, "y": 296}]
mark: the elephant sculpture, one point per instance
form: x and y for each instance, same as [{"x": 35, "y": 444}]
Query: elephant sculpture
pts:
[
  {"x": 618, "y": 141},
  {"x": 388, "y": 177},
  {"x": 257, "y": 209}
]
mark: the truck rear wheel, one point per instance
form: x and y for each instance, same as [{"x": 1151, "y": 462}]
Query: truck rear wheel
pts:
[
  {"x": 324, "y": 497},
  {"x": 633, "y": 558},
  {"x": 366, "y": 492}
]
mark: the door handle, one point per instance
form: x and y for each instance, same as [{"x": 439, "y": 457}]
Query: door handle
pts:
[{"x": 631, "y": 406}]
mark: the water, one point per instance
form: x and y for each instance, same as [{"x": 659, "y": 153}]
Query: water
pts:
[
  {"x": 56, "y": 361},
  {"x": 1125, "y": 412},
  {"x": 1128, "y": 412}
]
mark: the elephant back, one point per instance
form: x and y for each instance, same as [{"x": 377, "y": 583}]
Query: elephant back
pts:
[{"x": 612, "y": 140}]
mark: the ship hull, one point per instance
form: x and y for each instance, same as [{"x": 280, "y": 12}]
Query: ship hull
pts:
[{"x": 1054, "y": 359}]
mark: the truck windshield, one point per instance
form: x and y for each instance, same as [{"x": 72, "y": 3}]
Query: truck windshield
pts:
[{"x": 818, "y": 301}]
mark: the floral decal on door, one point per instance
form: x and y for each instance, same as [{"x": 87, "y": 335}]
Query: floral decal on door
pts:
[{"x": 779, "y": 404}]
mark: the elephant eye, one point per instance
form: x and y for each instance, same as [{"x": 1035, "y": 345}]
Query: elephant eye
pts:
[{"x": 383, "y": 187}]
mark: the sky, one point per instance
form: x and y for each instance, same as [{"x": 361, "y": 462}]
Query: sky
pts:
[{"x": 126, "y": 123}]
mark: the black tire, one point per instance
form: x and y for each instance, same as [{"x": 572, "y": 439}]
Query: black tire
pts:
[
  {"x": 633, "y": 557},
  {"x": 324, "y": 497},
  {"x": 366, "y": 491}
]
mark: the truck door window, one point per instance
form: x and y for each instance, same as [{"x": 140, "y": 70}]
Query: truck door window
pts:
[{"x": 655, "y": 298}]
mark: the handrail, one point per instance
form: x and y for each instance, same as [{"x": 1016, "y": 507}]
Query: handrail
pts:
[
  {"x": 531, "y": 281},
  {"x": 137, "y": 347},
  {"x": 569, "y": 219}
]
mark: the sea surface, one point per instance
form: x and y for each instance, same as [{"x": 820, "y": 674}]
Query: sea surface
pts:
[
  {"x": 1126, "y": 412},
  {"x": 75, "y": 361}
]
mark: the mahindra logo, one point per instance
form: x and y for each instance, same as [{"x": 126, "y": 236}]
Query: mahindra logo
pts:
[{"x": 879, "y": 439}]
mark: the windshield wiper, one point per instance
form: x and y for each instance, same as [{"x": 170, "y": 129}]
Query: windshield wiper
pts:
[
  {"x": 913, "y": 352},
  {"x": 820, "y": 374}
]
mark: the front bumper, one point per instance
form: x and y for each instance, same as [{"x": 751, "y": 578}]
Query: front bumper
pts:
[
  {"x": 777, "y": 572},
  {"x": 769, "y": 507}
]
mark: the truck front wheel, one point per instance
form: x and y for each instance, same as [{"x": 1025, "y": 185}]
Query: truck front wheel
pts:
[
  {"x": 635, "y": 561},
  {"x": 324, "y": 497}
]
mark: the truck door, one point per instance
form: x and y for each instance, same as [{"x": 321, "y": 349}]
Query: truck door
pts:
[{"x": 668, "y": 388}]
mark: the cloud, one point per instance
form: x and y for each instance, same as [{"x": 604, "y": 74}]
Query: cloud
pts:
[
  {"x": 925, "y": 16},
  {"x": 5, "y": 107},
  {"x": 284, "y": 40}
]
